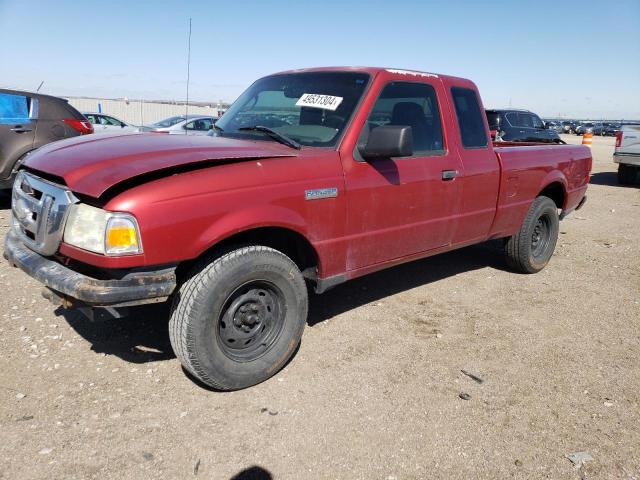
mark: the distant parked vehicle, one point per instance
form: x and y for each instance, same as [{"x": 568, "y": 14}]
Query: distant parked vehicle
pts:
[
  {"x": 30, "y": 120},
  {"x": 109, "y": 124},
  {"x": 191, "y": 125},
  {"x": 627, "y": 155},
  {"x": 551, "y": 125},
  {"x": 598, "y": 129},
  {"x": 583, "y": 128},
  {"x": 568, "y": 126},
  {"x": 520, "y": 126},
  {"x": 611, "y": 129}
]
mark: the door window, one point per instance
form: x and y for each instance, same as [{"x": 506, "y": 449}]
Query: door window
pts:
[
  {"x": 14, "y": 108},
  {"x": 414, "y": 105},
  {"x": 472, "y": 131},
  {"x": 202, "y": 124},
  {"x": 537, "y": 123},
  {"x": 92, "y": 119},
  {"x": 104, "y": 120},
  {"x": 522, "y": 120}
]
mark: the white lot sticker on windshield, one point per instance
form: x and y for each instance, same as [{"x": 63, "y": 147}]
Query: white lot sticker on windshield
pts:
[{"x": 326, "y": 102}]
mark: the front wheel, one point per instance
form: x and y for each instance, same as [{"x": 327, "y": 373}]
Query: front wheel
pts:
[
  {"x": 529, "y": 250},
  {"x": 239, "y": 317}
]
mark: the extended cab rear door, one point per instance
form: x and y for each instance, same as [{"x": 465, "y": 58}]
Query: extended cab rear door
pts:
[
  {"x": 398, "y": 207},
  {"x": 480, "y": 176}
]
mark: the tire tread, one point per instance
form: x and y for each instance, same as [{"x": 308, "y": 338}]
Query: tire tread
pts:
[{"x": 181, "y": 333}]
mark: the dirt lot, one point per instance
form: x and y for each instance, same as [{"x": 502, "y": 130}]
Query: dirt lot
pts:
[{"x": 373, "y": 392}]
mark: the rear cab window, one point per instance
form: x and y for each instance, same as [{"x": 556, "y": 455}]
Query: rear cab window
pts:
[
  {"x": 409, "y": 104},
  {"x": 470, "y": 121}
]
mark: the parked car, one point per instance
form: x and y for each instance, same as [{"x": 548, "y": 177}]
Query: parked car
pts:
[
  {"x": 627, "y": 155},
  {"x": 582, "y": 128},
  {"x": 191, "y": 125},
  {"x": 29, "y": 120},
  {"x": 611, "y": 129},
  {"x": 552, "y": 125},
  {"x": 371, "y": 168},
  {"x": 598, "y": 129},
  {"x": 568, "y": 126},
  {"x": 109, "y": 124},
  {"x": 520, "y": 126}
]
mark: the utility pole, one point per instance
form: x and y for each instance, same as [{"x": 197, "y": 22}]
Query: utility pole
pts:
[{"x": 186, "y": 110}]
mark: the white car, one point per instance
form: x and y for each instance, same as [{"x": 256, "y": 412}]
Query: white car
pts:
[
  {"x": 627, "y": 154},
  {"x": 181, "y": 125},
  {"x": 108, "y": 124}
]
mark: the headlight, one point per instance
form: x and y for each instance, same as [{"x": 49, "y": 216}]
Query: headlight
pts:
[{"x": 98, "y": 231}]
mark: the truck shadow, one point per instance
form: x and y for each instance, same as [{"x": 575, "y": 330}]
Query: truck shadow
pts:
[
  {"x": 5, "y": 200},
  {"x": 143, "y": 337},
  {"x": 609, "y": 179},
  {"x": 404, "y": 277}
]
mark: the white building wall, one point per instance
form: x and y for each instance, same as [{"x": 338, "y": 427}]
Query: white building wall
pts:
[{"x": 138, "y": 112}]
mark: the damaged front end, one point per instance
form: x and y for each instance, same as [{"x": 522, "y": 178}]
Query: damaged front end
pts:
[{"x": 40, "y": 210}]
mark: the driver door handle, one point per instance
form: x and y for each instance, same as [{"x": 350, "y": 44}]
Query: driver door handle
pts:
[
  {"x": 21, "y": 129},
  {"x": 449, "y": 174}
]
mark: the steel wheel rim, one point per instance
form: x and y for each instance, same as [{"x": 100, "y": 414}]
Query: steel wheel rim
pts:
[
  {"x": 540, "y": 237},
  {"x": 252, "y": 319}
]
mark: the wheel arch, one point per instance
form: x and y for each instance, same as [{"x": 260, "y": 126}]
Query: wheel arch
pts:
[
  {"x": 285, "y": 239},
  {"x": 556, "y": 189}
]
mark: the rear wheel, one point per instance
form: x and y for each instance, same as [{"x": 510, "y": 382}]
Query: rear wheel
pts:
[
  {"x": 239, "y": 317},
  {"x": 529, "y": 250},
  {"x": 628, "y": 174}
]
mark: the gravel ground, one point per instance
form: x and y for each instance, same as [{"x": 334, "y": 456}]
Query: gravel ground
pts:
[{"x": 374, "y": 390}]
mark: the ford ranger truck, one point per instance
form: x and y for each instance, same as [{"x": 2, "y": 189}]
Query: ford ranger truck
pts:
[{"x": 312, "y": 177}]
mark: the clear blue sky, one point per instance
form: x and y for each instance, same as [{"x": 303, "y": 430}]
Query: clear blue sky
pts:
[{"x": 554, "y": 57}]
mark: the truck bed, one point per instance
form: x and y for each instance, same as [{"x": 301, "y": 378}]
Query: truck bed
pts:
[{"x": 527, "y": 168}]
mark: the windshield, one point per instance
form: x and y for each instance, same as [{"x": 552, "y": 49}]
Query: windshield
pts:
[
  {"x": 168, "y": 122},
  {"x": 311, "y": 108}
]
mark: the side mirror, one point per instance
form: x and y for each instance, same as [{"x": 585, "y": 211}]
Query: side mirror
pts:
[{"x": 388, "y": 141}]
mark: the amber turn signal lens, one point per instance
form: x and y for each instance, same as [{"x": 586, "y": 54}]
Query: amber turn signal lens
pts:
[{"x": 121, "y": 236}]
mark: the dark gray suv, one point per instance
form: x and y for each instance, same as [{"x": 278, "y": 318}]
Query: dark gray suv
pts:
[
  {"x": 30, "y": 120},
  {"x": 513, "y": 125}
]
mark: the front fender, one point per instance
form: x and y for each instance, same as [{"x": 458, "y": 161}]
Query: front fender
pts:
[{"x": 246, "y": 219}]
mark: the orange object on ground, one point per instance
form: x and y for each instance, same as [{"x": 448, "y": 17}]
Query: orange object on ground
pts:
[{"x": 587, "y": 139}]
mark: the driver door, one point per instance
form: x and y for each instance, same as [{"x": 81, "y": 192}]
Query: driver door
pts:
[{"x": 398, "y": 207}]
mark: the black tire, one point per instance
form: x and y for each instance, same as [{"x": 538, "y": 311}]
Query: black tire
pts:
[
  {"x": 628, "y": 174},
  {"x": 529, "y": 250},
  {"x": 623, "y": 174},
  {"x": 239, "y": 317}
]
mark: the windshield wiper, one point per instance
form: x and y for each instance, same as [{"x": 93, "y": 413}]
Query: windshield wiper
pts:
[{"x": 273, "y": 134}]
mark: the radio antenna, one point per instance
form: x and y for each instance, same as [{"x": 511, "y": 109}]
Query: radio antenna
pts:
[{"x": 186, "y": 110}]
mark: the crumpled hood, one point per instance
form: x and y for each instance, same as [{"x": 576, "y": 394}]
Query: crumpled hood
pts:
[{"x": 92, "y": 164}]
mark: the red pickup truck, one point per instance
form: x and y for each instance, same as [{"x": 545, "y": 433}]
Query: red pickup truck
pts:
[{"x": 318, "y": 175}]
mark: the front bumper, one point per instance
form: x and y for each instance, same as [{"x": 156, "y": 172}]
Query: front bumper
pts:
[{"x": 137, "y": 287}]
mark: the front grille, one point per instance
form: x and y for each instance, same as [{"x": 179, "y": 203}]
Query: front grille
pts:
[{"x": 39, "y": 209}]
